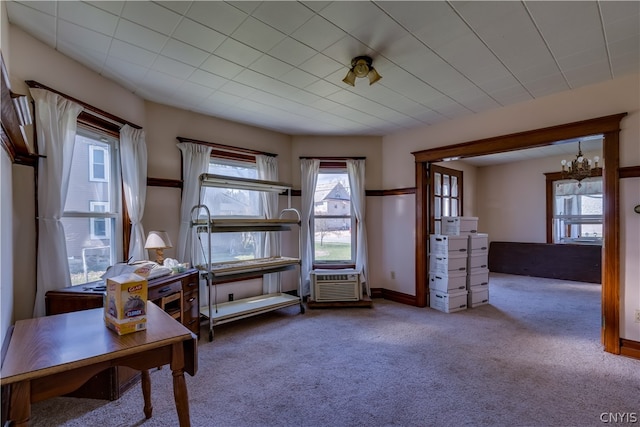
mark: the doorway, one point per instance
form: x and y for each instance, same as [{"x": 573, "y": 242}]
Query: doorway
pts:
[{"x": 609, "y": 127}]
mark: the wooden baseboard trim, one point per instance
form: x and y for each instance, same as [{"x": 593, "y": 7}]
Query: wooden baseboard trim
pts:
[
  {"x": 399, "y": 297},
  {"x": 630, "y": 348}
]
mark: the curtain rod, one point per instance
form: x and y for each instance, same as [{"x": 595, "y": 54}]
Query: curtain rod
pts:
[
  {"x": 333, "y": 158},
  {"x": 225, "y": 147},
  {"x": 103, "y": 114}
]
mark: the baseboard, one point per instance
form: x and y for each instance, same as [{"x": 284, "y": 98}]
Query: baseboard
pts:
[
  {"x": 630, "y": 348},
  {"x": 396, "y": 296}
]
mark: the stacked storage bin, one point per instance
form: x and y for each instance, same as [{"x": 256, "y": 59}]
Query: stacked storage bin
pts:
[
  {"x": 448, "y": 263},
  {"x": 477, "y": 270}
]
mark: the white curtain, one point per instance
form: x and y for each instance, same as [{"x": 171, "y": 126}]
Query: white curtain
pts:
[
  {"x": 268, "y": 171},
  {"x": 355, "y": 170},
  {"x": 587, "y": 187},
  {"x": 309, "y": 177},
  {"x": 133, "y": 157},
  {"x": 195, "y": 161},
  {"x": 56, "y": 123}
]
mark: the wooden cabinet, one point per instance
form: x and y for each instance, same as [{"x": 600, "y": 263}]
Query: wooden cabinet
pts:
[{"x": 111, "y": 383}]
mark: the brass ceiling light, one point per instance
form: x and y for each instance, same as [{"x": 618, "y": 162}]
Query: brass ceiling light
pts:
[{"x": 361, "y": 67}]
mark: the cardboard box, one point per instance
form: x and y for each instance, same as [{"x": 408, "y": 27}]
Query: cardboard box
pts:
[
  {"x": 459, "y": 225},
  {"x": 446, "y": 264},
  {"x": 443, "y": 244},
  {"x": 125, "y": 308},
  {"x": 449, "y": 302},
  {"x": 478, "y": 295},
  {"x": 451, "y": 282}
]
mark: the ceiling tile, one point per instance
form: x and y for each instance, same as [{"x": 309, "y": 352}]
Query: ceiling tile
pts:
[
  {"x": 184, "y": 53},
  {"x": 350, "y": 15},
  {"x": 217, "y": 15},
  {"x": 151, "y": 15},
  {"x": 318, "y": 33},
  {"x": 132, "y": 54},
  {"x": 321, "y": 65},
  {"x": 220, "y": 66},
  {"x": 236, "y": 52},
  {"x": 83, "y": 38},
  {"x": 204, "y": 78},
  {"x": 40, "y": 25},
  {"x": 292, "y": 52},
  {"x": 88, "y": 16},
  {"x": 113, "y": 6},
  {"x": 298, "y": 78},
  {"x": 172, "y": 67},
  {"x": 132, "y": 33},
  {"x": 322, "y": 88},
  {"x": 179, "y": 6},
  {"x": 125, "y": 70},
  {"x": 286, "y": 16},
  {"x": 47, "y": 7},
  {"x": 257, "y": 34},
  {"x": 270, "y": 66},
  {"x": 198, "y": 35},
  {"x": 238, "y": 89}
]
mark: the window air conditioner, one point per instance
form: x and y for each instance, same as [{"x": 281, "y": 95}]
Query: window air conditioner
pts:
[{"x": 336, "y": 285}]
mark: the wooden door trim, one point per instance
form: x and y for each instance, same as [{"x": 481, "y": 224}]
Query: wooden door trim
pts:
[{"x": 609, "y": 126}]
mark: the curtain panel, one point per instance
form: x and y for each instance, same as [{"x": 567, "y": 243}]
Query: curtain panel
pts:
[
  {"x": 268, "y": 171},
  {"x": 355, "y": 170},
  {"x": 133, "y": 157},
  {"x": 56, "y": 124},
  {"x": 309, "y": 177},
  {"x": 195, "y": 161}
]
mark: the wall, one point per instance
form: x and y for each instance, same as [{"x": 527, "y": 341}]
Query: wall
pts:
[
  {"x": 610, "y": 97},
  {"x": 511, "y": 199}
]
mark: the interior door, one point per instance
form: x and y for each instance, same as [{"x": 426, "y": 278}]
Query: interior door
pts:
[{"x": 445, "y": 195}]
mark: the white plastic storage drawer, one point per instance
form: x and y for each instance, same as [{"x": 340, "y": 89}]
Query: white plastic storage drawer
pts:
[
  {"x": 478, "y": 277},
  {"x": 478, "y": 296},
  {"x": 459, "y": 225},
  {"x": 443, "y": 244},
  {"x": 478, "y": 243},
  {"x": 448, "y": 302},
  {"x": 454, "y": 281},
  {"x": 478, "y": 261},
  {"x": 448, "y": 263}
]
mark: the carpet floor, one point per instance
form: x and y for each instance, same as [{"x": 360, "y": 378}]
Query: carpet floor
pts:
[{"x": 531, "y": 357}]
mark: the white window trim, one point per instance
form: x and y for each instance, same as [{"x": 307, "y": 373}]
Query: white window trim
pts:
[
  {"x": 352, "y": 218},
  {"x": 107, "y": 224},
  {"x": 92, "y": 163}
]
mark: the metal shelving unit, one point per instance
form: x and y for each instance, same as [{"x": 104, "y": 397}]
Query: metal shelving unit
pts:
[{"x": 214, "y": 272}]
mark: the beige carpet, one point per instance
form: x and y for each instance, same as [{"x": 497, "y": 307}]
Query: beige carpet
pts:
[{"x": 530, "y": 358}]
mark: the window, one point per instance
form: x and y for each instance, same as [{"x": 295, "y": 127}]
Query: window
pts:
[
  {"x": 99, "y": 225},
  {"x": 229, "y": 203},
  {"x": 92, "y": 216},
  {"x": 577, "y": 211},
  {"x": 446, "y": 185},
  {"x": 333, "y": 219},
  {"x": 98, "y": 163}
]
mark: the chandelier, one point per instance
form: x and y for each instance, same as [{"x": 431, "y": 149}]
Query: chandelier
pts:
[
  {"x": 361, "y": 66},
  {"x": 579, "y": 168}
]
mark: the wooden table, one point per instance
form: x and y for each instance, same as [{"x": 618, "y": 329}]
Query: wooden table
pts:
[{"x": 54, "y": 355}]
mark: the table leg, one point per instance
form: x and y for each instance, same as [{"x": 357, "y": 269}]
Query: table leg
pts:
[
  {"x": 146, "y": 393},
  {"x": 20, "y": 404},
  {"x": 180, "y": 385}
]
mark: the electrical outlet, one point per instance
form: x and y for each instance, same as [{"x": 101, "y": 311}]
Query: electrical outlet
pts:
[
  {"x": 638, "y": 316},
  {"x": 230, "y": 297},
  {"x": 393, "y": 275}
]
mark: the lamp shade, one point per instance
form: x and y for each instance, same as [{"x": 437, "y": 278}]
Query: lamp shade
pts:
[{"x": 158, "y": 240}]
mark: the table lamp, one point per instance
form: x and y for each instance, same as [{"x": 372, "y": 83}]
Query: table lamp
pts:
[{"x": 158, "y": 240}]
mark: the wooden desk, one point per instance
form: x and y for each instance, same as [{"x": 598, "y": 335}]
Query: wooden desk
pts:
[{"x": 54, "y": 355}]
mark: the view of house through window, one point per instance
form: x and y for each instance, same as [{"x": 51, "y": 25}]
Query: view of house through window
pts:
[
  {"x": 577, "y": 211},
  {"x": 92, "y": 211},
  {"x": 333, "y": 219},
  {"x": 233, "y": 203}
]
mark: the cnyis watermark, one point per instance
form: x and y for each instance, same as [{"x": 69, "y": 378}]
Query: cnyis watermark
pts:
[{"x": 620, "y": 417}]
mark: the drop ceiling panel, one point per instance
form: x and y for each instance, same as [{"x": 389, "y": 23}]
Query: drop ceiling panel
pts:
[{"x": 275, "y": 63}]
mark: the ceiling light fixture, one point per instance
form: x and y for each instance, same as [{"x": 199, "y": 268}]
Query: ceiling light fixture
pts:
[
  {"x": 579, "y": 168},
  {"x": 361, "y": 67}
]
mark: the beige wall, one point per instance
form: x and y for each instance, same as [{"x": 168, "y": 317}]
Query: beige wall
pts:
[
  {"x": 611, "y": 97},
  {"x": 511, "y": 199}
]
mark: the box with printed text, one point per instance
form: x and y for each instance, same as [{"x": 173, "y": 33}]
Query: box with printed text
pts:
[{"x": 125, "y": 308}]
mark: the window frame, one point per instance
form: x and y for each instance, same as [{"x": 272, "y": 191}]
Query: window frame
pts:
[
  {"x": 92, "y": 164},
  {"x": 116, "y": 215},
  {"x": 335, "y": 167},
  {"x": 551, "y": 179},
  {"x": 92, "y": 220}
]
